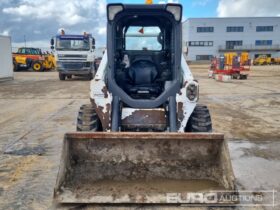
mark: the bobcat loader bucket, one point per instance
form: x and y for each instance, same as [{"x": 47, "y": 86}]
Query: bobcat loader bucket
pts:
[{"x": 127, "y": 167}]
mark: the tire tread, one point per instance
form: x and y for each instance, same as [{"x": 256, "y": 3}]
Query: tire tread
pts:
[
  {"x": 200, "y": 120},
  {"x": 87, "y": 119}
]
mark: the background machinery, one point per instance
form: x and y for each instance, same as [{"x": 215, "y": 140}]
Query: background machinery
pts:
[
  {"x": 262, "y": 60},
  {"x": 27, "y": 57},
  {"x": 74, "y": 55},
  {"x": 266, "y": 60},
  {"x": 276, "y": 60},
  {"x": 144, "y": 135},
  {"x": 230, "y": 66}
]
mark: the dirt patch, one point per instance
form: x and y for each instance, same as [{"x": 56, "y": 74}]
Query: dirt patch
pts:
[
  {"x": 16, "y": 168},
  {"x": 37, "y": 109}
]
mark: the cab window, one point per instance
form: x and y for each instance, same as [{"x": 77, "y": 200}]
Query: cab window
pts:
[{"x": 143, "y": 38}]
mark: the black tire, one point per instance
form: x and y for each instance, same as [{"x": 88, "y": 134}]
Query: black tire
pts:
[
  {"x": 243, "y": 76},
  {"x": 61, "y": 76},
  {"x": 29, "y": 62},
  {"x": 200, "y": 120},
  {"x": 87, "y": 119},
  {"x": 37, "y": 66},
  {"x": 15, "y": 66},
  {"x": 69, "y": 76},
  {"x": 236, "y": 76},
  {"x": 90, "y": 76}
]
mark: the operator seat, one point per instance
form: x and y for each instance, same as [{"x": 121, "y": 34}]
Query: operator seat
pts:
[{"x": 142, "y": 74}]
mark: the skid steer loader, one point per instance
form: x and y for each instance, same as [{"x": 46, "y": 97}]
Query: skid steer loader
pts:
[{"x": 143, "y": 138}]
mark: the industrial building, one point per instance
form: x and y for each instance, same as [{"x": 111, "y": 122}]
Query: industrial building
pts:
[
  {"x": 204, "y": 38},
  {"x": 6, "y": 62}
]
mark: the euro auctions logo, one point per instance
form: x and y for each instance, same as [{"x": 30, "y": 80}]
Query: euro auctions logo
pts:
[
  {"x": 192, "y": 197},
  {"x": 224, "y": 198}
]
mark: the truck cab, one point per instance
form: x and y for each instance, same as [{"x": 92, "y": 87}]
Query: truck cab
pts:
[{"x": 74, "y": 55}]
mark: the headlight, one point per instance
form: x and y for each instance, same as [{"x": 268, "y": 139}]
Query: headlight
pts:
[
  {"x": 112, "y": 10},
  {"x": 90, "y": 58},
  {"x": 192, "y": 91},
  {"x": 176, "y": 10},
  {"x": 60, "y": 55},
  {"x": 58, "y": 64}
]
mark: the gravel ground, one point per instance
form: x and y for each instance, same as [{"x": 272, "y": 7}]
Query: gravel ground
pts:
[{"x": 37, "y": 109}]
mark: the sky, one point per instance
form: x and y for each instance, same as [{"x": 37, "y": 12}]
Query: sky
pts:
[{"x": 36, "y": 21}]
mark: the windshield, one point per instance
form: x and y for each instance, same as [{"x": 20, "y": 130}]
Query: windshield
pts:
[
  {"x": 72, "y": 43},
  {"x": 143, "y": 38},
  {"x": 35, "y": 51},
  {"x": 30, "y": 51}
]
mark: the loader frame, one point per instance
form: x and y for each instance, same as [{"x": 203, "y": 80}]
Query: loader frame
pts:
[
  {"x": 123, "y": 166},
  {"x": 107, "y": 96}
]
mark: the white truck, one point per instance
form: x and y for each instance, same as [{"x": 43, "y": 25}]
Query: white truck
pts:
[{"x": 74, "y": 55}]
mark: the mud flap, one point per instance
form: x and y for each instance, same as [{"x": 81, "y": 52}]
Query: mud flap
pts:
[{"x": 130, "y": 167}]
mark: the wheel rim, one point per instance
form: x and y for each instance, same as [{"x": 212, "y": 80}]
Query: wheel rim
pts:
[{"x": 37, "y": 66}]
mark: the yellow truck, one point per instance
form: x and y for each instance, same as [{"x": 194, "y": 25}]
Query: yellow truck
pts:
[{"x": 27, "y": 57}]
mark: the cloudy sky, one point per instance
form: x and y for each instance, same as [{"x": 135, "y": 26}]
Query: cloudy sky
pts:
[{"x": 38, "y": 20}]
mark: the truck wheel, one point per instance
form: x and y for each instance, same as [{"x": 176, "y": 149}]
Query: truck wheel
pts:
[
  {"x": 236, "y": 76},
  {"x": 90, "y": 76},
  {"x": 15, "y": 66},
  {"x": 69, "y": 76},
  {"x": 87, "y": 119},
  {"x": 62, "y": 76},
  {"x": 243, "y": 76},
  {"x": 200, "y": 120},
  {"x": 37, "y": 66}
]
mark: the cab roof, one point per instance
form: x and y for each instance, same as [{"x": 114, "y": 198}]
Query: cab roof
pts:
[{"x": 138, "y": 9}]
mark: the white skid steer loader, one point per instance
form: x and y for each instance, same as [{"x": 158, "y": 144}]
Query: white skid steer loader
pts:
[{"x": 143, "y": 137}]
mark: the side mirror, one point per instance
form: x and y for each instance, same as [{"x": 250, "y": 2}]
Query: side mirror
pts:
[
  {"x": 93, "y": 43},
  {"x": 52, "y": 42}
]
